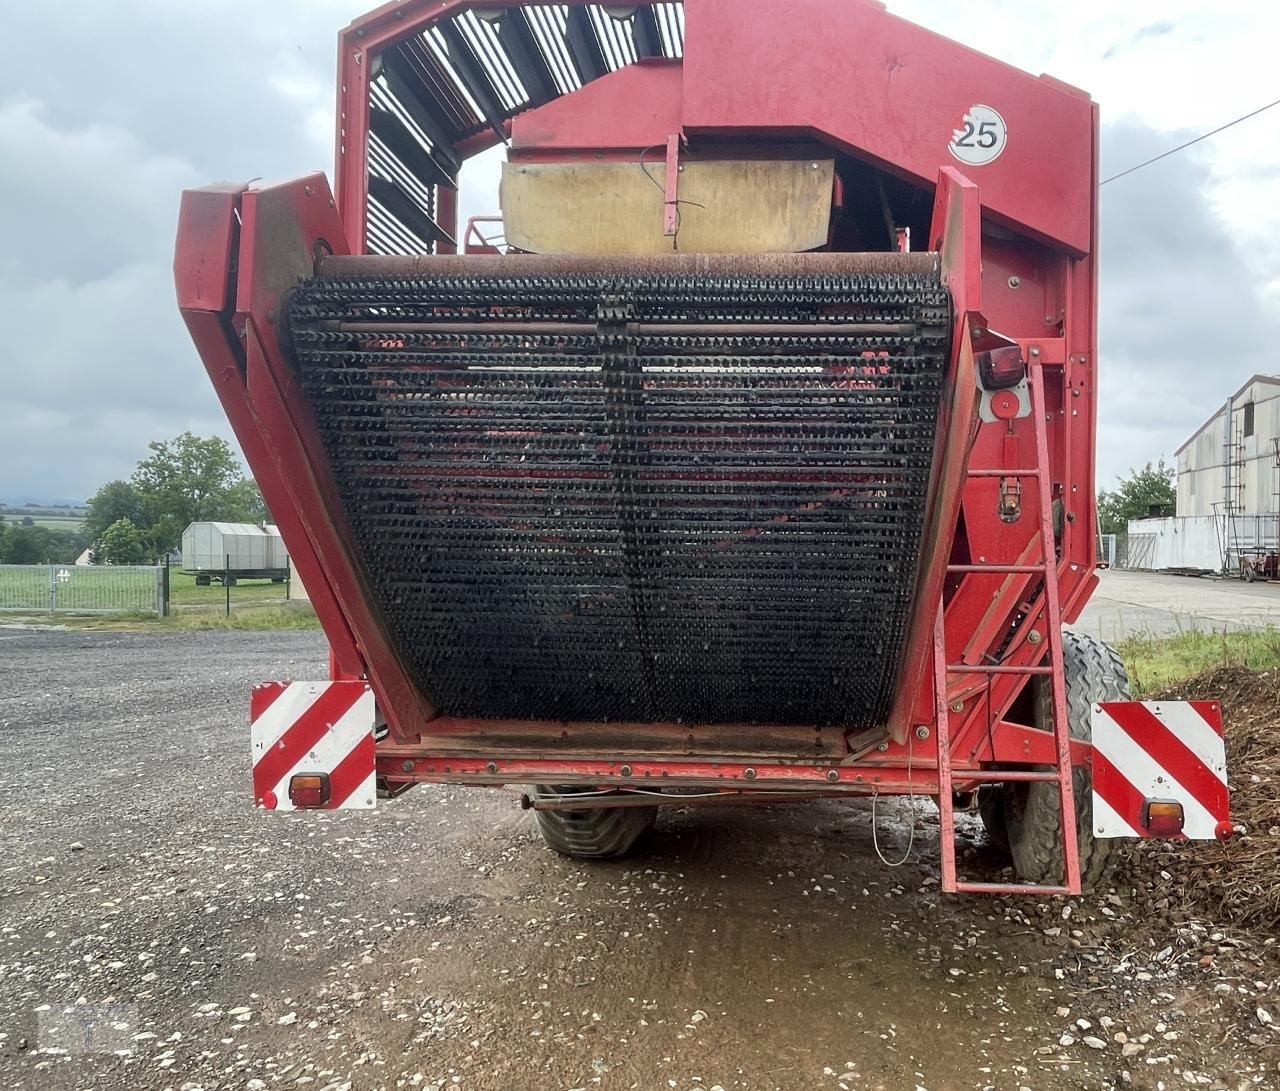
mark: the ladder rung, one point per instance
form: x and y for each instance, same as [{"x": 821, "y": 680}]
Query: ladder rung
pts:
[
  {"x": 1040, "y": 569},
  {"x": 998, "y": 776},
  {"x": 1004, "y": 473},
  {"x": 1008, "y": 888},
  {"x": 991, "y": 668}
]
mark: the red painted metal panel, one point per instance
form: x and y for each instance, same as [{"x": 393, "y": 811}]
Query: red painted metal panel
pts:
[
  {"x": 208, "y": 242},
  {"x": 956, "y": 226},
  {"x": 285, "y": 227},
  {"x": 279, "y": 231},
  {"x": 409, "y": 764},
  {"x": 892, "y": 91},
  {"x": 208, "y": 236},
  {"x": 634, "y": 107}
]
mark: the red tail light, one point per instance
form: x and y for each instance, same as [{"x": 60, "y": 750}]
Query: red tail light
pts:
[
  {"x": 1162, "y": 817},
  {"x": 309, "y": 789}
]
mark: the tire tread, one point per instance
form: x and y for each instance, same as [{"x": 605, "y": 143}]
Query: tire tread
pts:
[
  {"x": 1093, "y": 671},
  {"x": 592, "y": 833}
]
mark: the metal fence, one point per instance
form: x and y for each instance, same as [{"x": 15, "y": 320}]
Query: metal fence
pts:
[{"x": 77, "y": 589}]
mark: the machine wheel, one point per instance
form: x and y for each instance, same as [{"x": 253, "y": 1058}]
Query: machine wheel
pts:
[
  {"x": 592, "y": 833},
  {"x": 204, "y": 581},
  {"x": 1093, "y": 672}
]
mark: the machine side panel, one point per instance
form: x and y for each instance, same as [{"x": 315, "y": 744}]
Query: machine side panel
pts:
[{"x": 898, "y": 94}]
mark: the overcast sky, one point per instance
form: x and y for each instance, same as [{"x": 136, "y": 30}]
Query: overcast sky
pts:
[{"x": 110, "y": 109}]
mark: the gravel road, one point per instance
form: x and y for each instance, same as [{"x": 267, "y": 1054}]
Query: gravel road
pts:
[{"x": 155, "y": 932}]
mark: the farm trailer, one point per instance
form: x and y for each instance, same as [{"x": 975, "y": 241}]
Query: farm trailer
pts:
[
  {"x": 754, "y": 463},
  {"x": 228, "y": 552}
]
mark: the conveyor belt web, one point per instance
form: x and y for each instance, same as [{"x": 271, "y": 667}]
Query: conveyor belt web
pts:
[
  {"x": 645, "y": 497},
  {"x": 473, "y": 72}
]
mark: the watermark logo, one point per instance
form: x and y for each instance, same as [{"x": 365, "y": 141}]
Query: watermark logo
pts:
[{"x": 76, "y": 1029}]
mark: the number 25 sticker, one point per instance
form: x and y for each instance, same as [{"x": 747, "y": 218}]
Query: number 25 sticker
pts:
[{"x": 981, "y": 137}]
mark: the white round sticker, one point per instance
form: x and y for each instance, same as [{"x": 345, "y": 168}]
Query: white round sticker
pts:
[{"x": 981, "y": 137}]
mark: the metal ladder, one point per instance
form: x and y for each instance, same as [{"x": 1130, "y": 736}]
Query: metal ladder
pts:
[{"x": 1061, "y": 773}]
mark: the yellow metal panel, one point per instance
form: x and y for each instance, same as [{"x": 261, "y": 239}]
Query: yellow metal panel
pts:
[{"x": 727, "y": 207}]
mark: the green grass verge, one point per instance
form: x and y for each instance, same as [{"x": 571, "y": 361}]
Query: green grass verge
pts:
[
  {"x": 297, "y": 616},
  {"x": 258, "y": 619},
  {"x": 183, "y": 592},
  {"x": 1155, "y": 663}
]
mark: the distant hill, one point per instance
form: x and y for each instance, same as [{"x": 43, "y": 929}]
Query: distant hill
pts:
[
  {"x": 17, "y": 500},
  {"x": 54, "y": 516}
]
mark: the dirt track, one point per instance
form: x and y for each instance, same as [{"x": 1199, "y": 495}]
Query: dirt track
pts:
[{"x": 437, "y": 943}]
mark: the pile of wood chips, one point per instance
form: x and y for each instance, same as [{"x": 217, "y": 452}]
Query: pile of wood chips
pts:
[{"x": 1237, "y": 882}]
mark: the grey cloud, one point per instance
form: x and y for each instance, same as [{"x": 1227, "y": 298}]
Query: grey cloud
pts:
[
  {"x": 93, "y": 197},
  {"x": 1182, "y": 321},
  {"x": 145, "y": 98},
  {"x": 200, "y": 77}
]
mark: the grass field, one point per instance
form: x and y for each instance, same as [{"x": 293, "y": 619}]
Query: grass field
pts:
[
  {"x": 57, "y": 522},
  {"x": 1157, "y": 662},
  {"x": 72, "y": 519},
  {"x": 183, "y": 593}
]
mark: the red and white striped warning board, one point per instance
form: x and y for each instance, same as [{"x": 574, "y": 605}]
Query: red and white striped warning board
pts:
[
  {"x": 1147, "y": 751},
  {"x": 317, "y": 728}
]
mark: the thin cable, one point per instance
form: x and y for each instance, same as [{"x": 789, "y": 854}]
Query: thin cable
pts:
[
  {"x": 644, "y": 167},
  {"x": 1196, "y": 140},
  {"x": 911, "y": 800},
  {"x": 675, "y": 238}
]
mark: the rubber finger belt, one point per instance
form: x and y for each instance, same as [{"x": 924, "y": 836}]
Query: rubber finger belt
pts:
[{"x": 642, "y": 498}]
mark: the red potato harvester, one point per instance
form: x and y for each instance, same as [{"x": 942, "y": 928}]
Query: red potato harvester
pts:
[{"x": 754, "y": 462}]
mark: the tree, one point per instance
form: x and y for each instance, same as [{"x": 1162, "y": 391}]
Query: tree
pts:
[
  {"x": 245, "y": 498},
  {"x": 189, "y": 479},
  {"x": 122, "y": 543},
  {"x": 113, "y": 501},
  {"x": 1143, "y": 493},
  {"x": 39, "y": 545}
]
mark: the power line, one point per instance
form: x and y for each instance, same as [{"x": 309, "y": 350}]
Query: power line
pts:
[{"x": 1196, "y": 140}]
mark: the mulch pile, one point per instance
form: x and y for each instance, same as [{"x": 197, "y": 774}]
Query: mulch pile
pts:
[{"x": 1237, "y": 882}]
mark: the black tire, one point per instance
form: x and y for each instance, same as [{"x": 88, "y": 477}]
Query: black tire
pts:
[
  {"x": 591, "y": 833},
  {"x": 1094, "y": 672},
  {"x": 991, "y": 809}
]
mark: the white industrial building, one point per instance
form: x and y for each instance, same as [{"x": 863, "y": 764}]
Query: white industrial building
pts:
[
  {"x": 1228, "y": 490},
  {"x": 1230, "y": 462}
]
